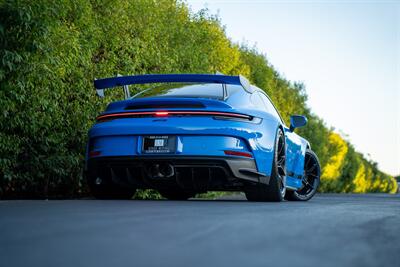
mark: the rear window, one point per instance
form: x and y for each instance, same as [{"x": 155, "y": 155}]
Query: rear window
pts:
[{"x": 209, "y": 90}]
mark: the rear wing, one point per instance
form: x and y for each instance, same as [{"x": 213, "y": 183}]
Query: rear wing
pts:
[{"x": 125, "y": 81}]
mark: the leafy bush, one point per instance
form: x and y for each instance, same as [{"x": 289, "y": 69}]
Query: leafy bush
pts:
[{"x": 52, "y": 50}]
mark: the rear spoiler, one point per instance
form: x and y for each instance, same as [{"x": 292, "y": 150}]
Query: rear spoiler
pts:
[{"x": 124, "y": 81}]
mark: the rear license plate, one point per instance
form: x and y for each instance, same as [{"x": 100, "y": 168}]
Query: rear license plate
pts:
[{"x": 154, "y": 144}]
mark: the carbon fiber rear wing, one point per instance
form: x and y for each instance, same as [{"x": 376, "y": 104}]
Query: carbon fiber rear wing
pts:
[{"x": 125, "y": 81}]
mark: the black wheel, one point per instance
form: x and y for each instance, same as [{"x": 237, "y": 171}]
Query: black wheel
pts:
[
  {"x": 311, "y": 179},
  {"x": 176, "y": 194},
  {"x": 109, "y": 190},
  {"x": 275, "y": 190}
]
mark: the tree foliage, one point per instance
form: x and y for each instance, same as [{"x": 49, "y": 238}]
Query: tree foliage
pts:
[{"x": 52, "y": 50}]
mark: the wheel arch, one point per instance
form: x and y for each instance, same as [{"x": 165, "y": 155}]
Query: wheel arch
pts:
[
  {"x": 280, "y": 126},
  {"x": 308, "y": 146}
]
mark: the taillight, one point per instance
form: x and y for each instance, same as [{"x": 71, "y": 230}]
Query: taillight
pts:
[
  {"x": 254, "y": 120},
  {"x": 215, "y": 114}
]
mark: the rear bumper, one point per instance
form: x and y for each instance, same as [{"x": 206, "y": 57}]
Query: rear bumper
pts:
[
  {"x": 197, "y": 136},
  {"x": 192, "y": 173}
]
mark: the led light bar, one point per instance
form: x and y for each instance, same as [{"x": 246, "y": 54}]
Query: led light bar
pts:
[{"x": 171, "y": 113}]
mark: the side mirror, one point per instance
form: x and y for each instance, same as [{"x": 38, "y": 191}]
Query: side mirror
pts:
[{"x": 297, "y": 121}]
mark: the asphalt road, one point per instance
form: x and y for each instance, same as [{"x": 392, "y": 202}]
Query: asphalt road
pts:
[{"x": 330, "y": 230}]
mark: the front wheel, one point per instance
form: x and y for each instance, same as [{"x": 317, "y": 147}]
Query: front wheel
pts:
[{"x": 310, "y": 180}]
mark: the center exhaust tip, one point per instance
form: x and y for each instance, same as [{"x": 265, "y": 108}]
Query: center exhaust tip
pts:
[{"x": 161, "y": 170}]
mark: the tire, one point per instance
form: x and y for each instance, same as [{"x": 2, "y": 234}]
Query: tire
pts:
[
  {"x": 111, "y": 191},
  {"x": 311, "y": 179},
  {"x": 275, "y": 190},
  {"x": 176, "y": 194}
]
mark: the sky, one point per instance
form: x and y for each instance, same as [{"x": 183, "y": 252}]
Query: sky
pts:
[{"x": 347, "y": 53}]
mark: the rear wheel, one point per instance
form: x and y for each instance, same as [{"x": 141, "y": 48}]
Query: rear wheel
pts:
[
  {"x": 275, "y": 190},
  {"x": 176, "y": 194},
  {"x": 311, "y": 179}
]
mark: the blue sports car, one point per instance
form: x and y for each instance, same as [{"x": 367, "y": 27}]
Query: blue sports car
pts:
[{"x": 193, "y": 133}]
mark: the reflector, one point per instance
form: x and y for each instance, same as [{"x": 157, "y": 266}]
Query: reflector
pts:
[
  {"x": 94, "y": 153},
  {"x": 238, "y": 153}
]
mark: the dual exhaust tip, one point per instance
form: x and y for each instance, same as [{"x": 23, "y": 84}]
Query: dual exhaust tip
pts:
[{"x": 160, "y": 170}]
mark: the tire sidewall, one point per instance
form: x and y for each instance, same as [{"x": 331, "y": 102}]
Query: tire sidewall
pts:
[
  {"x": 295, "y": 194},
  {"x": 275, "y": 174}
]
